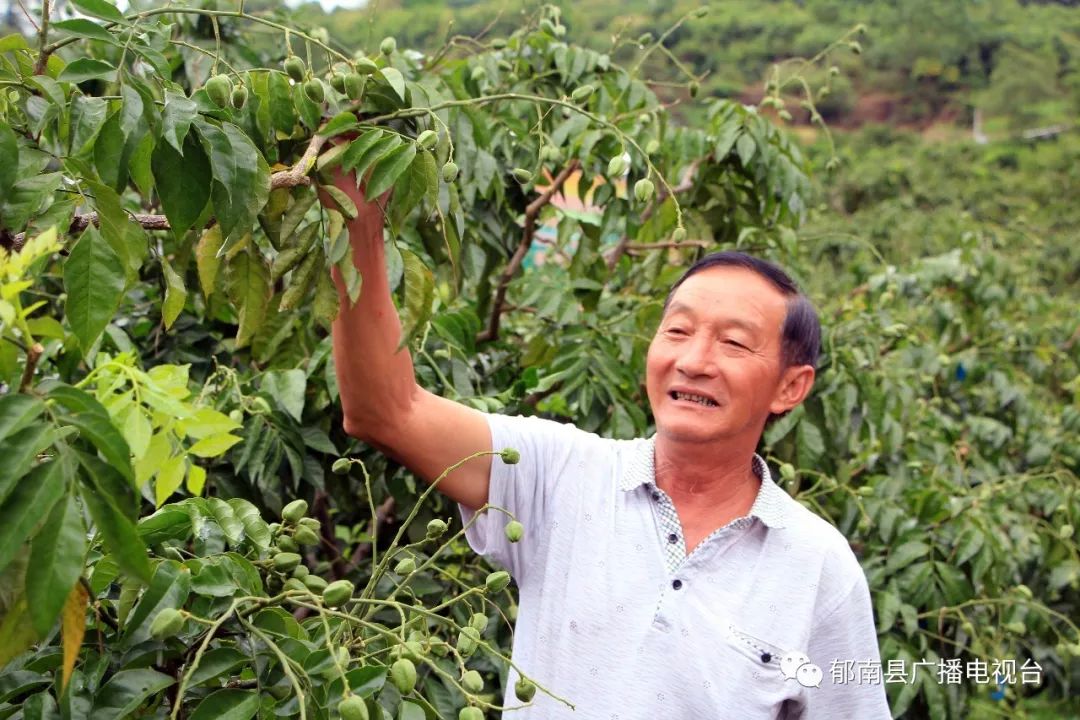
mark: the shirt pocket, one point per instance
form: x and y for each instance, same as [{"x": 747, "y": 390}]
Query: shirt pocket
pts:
[{"x": 763, "y": 657}]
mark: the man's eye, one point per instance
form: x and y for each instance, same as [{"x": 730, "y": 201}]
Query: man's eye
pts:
[
  {"x": 735, "y": 343},
  {"x": 675, "y": 330}
]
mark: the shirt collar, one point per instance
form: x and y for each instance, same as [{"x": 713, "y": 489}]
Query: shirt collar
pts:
[{"x": 769, "y": 506}]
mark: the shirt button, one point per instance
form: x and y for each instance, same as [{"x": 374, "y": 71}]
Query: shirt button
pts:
[
  {"x": 673, "y": 538},
  {"x": 676, "y": 583},
  {"x": 656, "y": 496}
]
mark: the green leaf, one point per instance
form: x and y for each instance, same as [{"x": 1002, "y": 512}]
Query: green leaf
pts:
[
  {"x": 338, "y": 124},
  {"x": 358, "y": 147},
  {"x": 94, "y": 282},
  {"x": 255, "y": 528},
  {"x": 411, "y": 711},
  {"x": 389, "y": 169},
  {"x": 228, "y": 704},
  {"x": 249, "y": 289},
  {"x": 9, "y": 159},
  {"x": 419, "y": 181},
  {"x": 81, "y": 27},
  {"x": 56, "y": 556},
  {"x": 216, "y": 663},
  {"x": 282, "y": 112},
  {"x": 287, "y": 387},
  {"x": 175, "y": 294},
  {"x": 88, "y": 115},
  {"x": 100, "y": 9},
  {"x": 94, "y": 424},
  {"x": 183, "y": 183},
  {"x": 226, "y": 518},
  {"x": 904, "y": 555},
  {"x": 29, "y": 503},
  {"x": 373, "y": 154},
  {"x": 176, "y": 119},
  {"x": 419, "y": 293},
  {"x": 84, "y": 69},
  {"x": 241, "y": 177},
  {"x": 126, "y": 237},
  {"x": 207, "y": 260},
  {"x": 169, "y": 588},
  {"x": 17, "y": 410},
  {"x": 118, "y": 530},
  {"x": 19, "y": 452},
  {"x": 16, "y": 630},
  {"x": 127, "y": 690},
  {"x": 395, "y": 79}
]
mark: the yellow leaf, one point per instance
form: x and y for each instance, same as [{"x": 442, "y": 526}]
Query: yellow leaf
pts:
[
  {"x": 214, "y": 445},
  {"x": 206, "y": 258},
  {"x": 169, "y": 479},
  {"x": 16, "y": 631},
  {"x": 196, "y": 479},
  {"x": 73, "y": 627}
]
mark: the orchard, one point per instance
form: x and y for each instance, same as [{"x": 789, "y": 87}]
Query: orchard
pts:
[{"x": 186, "y": 531}]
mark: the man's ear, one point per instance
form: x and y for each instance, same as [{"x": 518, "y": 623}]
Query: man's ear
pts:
[{"x": 795, "y": 384}]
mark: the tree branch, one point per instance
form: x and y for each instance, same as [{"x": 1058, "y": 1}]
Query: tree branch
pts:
[
  {"x": 295, "y": 175},
  {"x": 32, "y": 357},
  {"x": 43, "y": 38},
  {"x": 687, "y": 183},
  {"x": 531, "y": 212},
  {"x": 643, "y": 247}
]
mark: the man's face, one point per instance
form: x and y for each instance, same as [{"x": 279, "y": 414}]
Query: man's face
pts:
[{"x": 720, "y": 339}]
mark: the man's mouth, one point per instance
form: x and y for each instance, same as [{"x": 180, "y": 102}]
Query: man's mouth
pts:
[{"x": 691, "y": 397}]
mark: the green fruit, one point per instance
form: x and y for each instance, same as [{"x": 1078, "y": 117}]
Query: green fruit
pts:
[
  {"x": 700, "y": 12},
  {"x": 510, "y": 456},
  {"x": 219, "y": 88},
  {"x": 787, "y": 471},
  {"x": 522, "y": 175},
  {"x": 286, "y": 561},
  {"x": 439, "y": 648},
  {"x": 237, "y": 416},
  {"x": 295, "y": 68},
  {"x": 467, "y": 641},
  {"x": 652, "y": 147},
  {"x": 337, "y": 81},
  {"x": 286, "y": 544},
  {"x": 314, "y": 583},
  {"x": 855, "y": 47},
  {"x": 524, "y": 690},
  {"x": 405, "y": 567},
  {"x": 274, "y": 528},
  {"x": 547, "y": 26},
  {"x": 616, "y": 166},
  {"x": 427, "y": 139},
  {"x": 305, "y": 536},
  {"x": 643, "y": 189},
  {"x": 310, "y": 522},
  {"x": 497, "y": 581},
  {"x": 560, "y": 30},
  {"x": 167, "y": 623},
  {"x": 514, "y": 531},
  {"x": 834, "y": 71},
  {"x": 472, "y": 682},
  {"x": 294, "y": 584},
  {"x": 498, "y": 43},
  {"x": 436, "y": 529},
  {"x": 784, "y": 115},
  {"x": 239, "y": 96},
  {"x": 449, "y": 172},
  {"x": 678, "y": 234},
  {"x": 353, "y": 708},
  {"x": 388, "y": 46},
  {"x": 582, "y": 93},
  {"x": 365, "y": 66},
  {"x": 1065, "y": 532},
  {"x": 171, "y": 552},
  {"x": 294, "y": 511},
  {"x": 338, "y": 593},
  {"x": 478, "y": 73},
  {"x": 694, "y": 87},
  {"x": 341, "y": 466},
  {"x": 314, "y": 91},
  {"x": 550, "y": 153},
  {"x": 354, "y": 85},
  {"x": 478, "y": 622},
  {"x": 403, "y": 675},
  {"x": 645, "y": 38},
  {"x": 300, "y": 572},
  {"x": 471, "y": 713}
]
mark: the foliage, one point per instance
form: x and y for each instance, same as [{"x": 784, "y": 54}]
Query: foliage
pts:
[{"x": 170, "y": 382}]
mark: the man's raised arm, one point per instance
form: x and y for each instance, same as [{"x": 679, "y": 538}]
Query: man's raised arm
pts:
[{"x": 382, "y": 403}]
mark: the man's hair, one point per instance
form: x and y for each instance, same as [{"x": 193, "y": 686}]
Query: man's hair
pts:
[{"x": 801, "y": 334}]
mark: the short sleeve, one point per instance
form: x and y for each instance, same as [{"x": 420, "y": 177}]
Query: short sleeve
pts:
[
  {"x": 847, "y": 634},
  {"x": 526, "y": 489}
]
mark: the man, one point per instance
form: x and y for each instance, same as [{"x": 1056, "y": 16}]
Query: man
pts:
[{"x": 666, "y": 577}]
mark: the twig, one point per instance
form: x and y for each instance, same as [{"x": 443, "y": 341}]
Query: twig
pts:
[
  {"x": 43, "y": 38},
  {"x": 384, "y": 515},
  {"x": 531, "y": 211},
  {"x": 642, "y": 247},
  {"x": 295, "y": 175},
  {"x": 32, "y": 356},
  {"x": 687, "y": 183}
]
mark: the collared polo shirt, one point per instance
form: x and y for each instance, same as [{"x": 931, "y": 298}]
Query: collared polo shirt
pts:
[{"x": 619, "y": 623}]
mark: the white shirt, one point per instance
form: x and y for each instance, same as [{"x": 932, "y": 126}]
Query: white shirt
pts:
[{"x": 618, "y": 621}]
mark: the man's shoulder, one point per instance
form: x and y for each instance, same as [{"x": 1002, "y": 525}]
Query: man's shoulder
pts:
[{"x": 819, "y": 536}]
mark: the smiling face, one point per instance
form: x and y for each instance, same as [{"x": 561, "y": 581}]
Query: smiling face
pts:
[{"x": 714, "y": 371}]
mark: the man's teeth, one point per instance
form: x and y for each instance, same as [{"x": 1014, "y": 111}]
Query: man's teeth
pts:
[{"x": 695, "y": 398}]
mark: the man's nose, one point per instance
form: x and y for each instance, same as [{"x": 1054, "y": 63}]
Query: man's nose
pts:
[{"x": 697, "y": 357}]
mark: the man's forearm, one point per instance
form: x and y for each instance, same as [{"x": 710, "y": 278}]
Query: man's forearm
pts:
[{"x": 376, "y": 384}]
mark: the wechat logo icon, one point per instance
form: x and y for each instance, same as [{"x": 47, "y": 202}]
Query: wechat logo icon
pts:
[{"x": 796, "y": 665}]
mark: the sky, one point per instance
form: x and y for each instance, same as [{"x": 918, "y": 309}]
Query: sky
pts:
[{"x": 329, "y": 5}]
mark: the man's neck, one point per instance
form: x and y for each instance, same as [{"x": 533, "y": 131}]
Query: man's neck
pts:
[{"x": 708, "y": 485}]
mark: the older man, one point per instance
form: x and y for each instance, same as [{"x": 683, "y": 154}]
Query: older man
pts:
[{"x": 666, "y": 577}]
